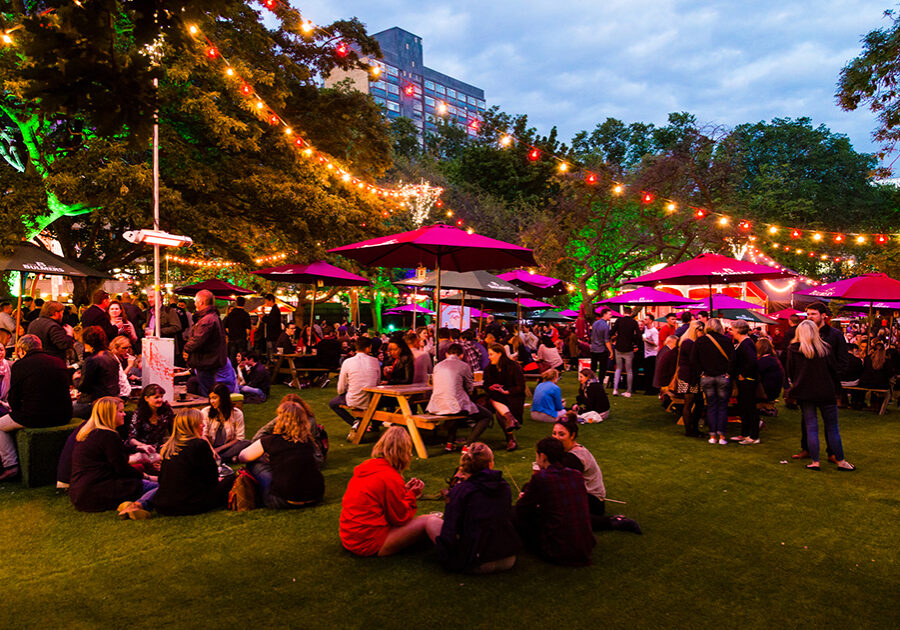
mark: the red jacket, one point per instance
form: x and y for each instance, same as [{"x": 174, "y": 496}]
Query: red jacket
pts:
[{"x": 376, "y": 501}]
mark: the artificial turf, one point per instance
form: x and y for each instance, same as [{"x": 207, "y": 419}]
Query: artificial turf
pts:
[{"x": 734, "y": 537}]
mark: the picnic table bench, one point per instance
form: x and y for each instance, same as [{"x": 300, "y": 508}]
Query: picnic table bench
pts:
[{"x": 285, "y": 364}]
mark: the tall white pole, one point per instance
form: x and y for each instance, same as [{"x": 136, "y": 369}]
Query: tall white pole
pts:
[{"x": 156, "y": 308}]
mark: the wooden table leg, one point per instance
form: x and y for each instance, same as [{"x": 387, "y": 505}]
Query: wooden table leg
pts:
[
  {"x": 366, "y": 419},
  {"x": 412, "y": 428},
  {"x": 277, "y": 369},
  {"x": 295, "y": 379},
  {"x": 884, "y": 403}
]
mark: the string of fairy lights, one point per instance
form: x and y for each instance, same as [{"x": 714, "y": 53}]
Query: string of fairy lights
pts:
[{"x": 758, "y": 256}]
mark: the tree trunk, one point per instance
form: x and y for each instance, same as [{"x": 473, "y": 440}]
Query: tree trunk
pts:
[{"x": 83, "y": 288}]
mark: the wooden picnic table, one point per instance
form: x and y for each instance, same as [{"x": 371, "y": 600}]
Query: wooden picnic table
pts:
[
  {"x": 291, "y": 367},
  {"x": 406, "y": 396}
]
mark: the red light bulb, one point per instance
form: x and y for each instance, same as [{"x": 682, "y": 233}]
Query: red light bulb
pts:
[
  {"x": 796, "y": 234},
  {"x": 299, "y": 142},
  {"x": 534, "y": 155},
  {"x": 270, "y": 4},
  {"x": 700, "y": 214},
  {"x": 474, "y": 125},
  {"x": 881, "y": 240},
  {"x": 459, "y": 222},
  {"x": 342, "y": 50},
  {"x": 647, "y": 197},
  {"x": 246, "y": 89},
  {"x": 273, "y": 119},
  {"x": 839, "y": 238},
  {"x": 591, "y": 178},
  {"x": 410, "y": 90},
  {"x": 212, "y": 52},
  {"x": 439, "y": 203}
]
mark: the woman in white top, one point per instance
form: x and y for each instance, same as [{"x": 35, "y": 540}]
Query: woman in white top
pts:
[
  {"x": 224, "y": 426},
  {"x": 580, "y": 458},
  {"x": 548, "y": 357}
]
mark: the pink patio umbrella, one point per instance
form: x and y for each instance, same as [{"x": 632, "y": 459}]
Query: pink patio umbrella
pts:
[
  {"x": 887, "y": 306},
  {"x": 721, "y": 301},
  {"x": 712, "y": 269},
  {"x": 318, "y": 274},
  {"x": 218, "y": 288},
  {"x": 786, "y": 313},
  {"x": 438, "y": 247},
  {"x": 868, "y": 288},
  {"x": 410, "y": 308},
  {"x": 646, "y": 296},
  {"x": 536, "y": 284}
]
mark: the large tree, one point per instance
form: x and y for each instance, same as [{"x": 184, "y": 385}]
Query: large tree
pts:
[{"x": 78, "y": 102}]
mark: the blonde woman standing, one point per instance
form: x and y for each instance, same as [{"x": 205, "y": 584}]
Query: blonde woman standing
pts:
[{"x": 812, "y": 371}]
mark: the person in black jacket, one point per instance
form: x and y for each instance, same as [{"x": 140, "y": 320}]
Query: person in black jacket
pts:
[
  {"x": 205, "y": 350},
  {"x": 257, "y": 380},
  {"x": 38, "y": 397},
  {"x": 771, "y": 371},
  {"x": 102, "y": 477},
  {"x": 237, "y": 327},
  {"x": 713, "y": 360},
  {"x": 592, "y": 403},
  {"x": 505, "y": 385},
  {"x": 817, "y": 313},
  {"x": 269, "y": 327},
  {"x": 100, "y": 374},
  {"x": 812, "y": 370},
  {"x": 477, "y": 534},
  {"x": 687, "y": 381},
  {"x": 96, "y": 314},
  {"x": 746, "y": 372},
  {"x": 56, "y": 339},
  {"x": 402, "y": 368},
  {"x": 625, "y": 334},
  {"x": 189, "y": 475}
]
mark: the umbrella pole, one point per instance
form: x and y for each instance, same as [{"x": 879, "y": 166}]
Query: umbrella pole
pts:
[
  {"x": 709, "y": 284},
  {"x": 519, "y": 313},
  {"x": 22, "y": 277},
  {"x": 437, "y": 302},
  {"x": 415, "y": 302},
  {"x": 462, "y": 309},
  {"x": 312, "y": 316}
]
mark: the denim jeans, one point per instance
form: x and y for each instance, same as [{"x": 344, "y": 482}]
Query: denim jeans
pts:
[
  {"x": 148, "y": 491},
  {"x": 206, "y": 379},
  {"x": 830, "y": 420},
  {"x": 625, "y": 359},
  {"x": 7, "y": 444},
  {"x": 717, "y": 390},
  {"x": 246, "y": 390},
  {"x": 337, "y": 406}
]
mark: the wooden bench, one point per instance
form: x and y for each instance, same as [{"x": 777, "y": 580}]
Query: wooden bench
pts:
[
  {"x": 39, "y": 451},
  {"x": 886, "y": 395}
]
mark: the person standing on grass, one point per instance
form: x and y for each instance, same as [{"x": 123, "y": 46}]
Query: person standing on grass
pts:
[
  {"x": 713, "y": 360},
  {"x": 817, "y": 314},
  {"x": 237, "y": 328},
  {"x": 625, "y": 334},
  {"x": 651, "y": 349},
  {"x": 746, "y": 371},
  {"x": 205, "y": 350},
  {"x": 552, "y": 514},
  {"x": 601, "y": 348},
  {"x": 813, "y": 374},
  {"x": 687, "y": 381},
  {"x": 378, "y": 511}
]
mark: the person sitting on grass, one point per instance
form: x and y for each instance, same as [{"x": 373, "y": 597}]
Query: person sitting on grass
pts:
[
  {"x": 547, "y": 404},
  {"x": 378, "y": 511},
  {"x": 592, "y": 403},
  {"x": 291, "y": 478},
  {"x": 477, "y": 534},
  {"x": 189, "y": 475},
  {"x": 257, "y": 380},
  {"x": 579, "y": 458},
  {"x": 102, "y": 477},
  {"x": 505, "y": 384},
  {"x": 224, "y": 424},
  {"x": 151, "y": 422},
  {"x": 552, "y": 513},
  {"x": 318, "y": 433}
]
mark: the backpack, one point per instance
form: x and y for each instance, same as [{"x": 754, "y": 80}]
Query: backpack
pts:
[{"x": 242, "y": 496}]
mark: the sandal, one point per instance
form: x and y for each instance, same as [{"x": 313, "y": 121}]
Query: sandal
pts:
[
  {"x": 813, "y": 467},
  {"x": 848, "y": 468},
  {"x": 801, "y": 455}
]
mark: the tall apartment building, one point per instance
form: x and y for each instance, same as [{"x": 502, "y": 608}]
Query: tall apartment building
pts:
[{"x": 406, "y": 87}]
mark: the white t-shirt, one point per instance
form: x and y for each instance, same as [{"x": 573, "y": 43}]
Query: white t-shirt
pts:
[
  {"x": 593, "y": 478},
  {"x": 651, "y": 341}
]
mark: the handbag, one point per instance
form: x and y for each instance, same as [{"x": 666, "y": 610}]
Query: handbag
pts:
[{"x": 242, "y": 497}]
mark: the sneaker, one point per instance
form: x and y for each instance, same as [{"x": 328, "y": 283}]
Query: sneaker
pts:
[
  {"x": 749, "y": 441},
  {"x": 738, "y": 438},
  {"x": 615, "y": 393},
  {"x": 627, "y": 394},
  {"x": 723, "y": 441},
  {"x": 712, "y": 440}
]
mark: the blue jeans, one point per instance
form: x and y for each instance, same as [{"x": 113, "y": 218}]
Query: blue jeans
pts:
[
  {"x": 148, "y": 491},
  {"x": 811, "y": 422},
  {"x": 253, "y": 391},
  {"x": 337, "y": 406},
  {"x": 718, "y": 391},
  {"x": 206, "y": 379}
]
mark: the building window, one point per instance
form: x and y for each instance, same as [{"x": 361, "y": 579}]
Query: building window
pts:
[
  {"x": 439, "y": 89},
  {"x": 451, "y": 93},
  {"x": 429, "y": 101},
  {"x": 379, "y": 100},
  {"x": 378, "y": 85},
  {"x": 481, "y": 105},
  {"x": 429, "y": 85},
  {"x": 393, "y": 89},
  {"x": 376, "y": 92},
  {"x": 392, "y": 71},
  {"x": 417, "y": 105},
  {"x": 472, "y": 100},
  {"x": 394, "y": 107}
]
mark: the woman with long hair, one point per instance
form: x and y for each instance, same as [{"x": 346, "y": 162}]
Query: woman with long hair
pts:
[
  {"x": 477, "y": 534},
  {"x": 224, "y": 424},
  {"x": 771, "y": 372},
  {"x": 505, "y": 385},
  {"x": 876, "y": 374},
  {"x": 812, "y": 372},
  {"x": 378, "y": 512},
  {"x": 401, "y": 370},
  {"x": 592, "y": 403},
  {"x": 102, "y": 478},
  {"x": 151, "y": 422},
  {"x": 189, "y": 475},
  {"x": 118, "y": 319},
  {"x": 291, "y": 478},
  {"x": 547, "y": 355}
]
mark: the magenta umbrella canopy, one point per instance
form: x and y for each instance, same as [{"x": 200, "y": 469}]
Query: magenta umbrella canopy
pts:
[
  {"x": 319, "y": 273},
  {"x": 721, "y": 301},
  {"x": 786, "y": 313},
  {"x": 218, "y": 288},
  {"x": 712, "y": 269},
  {"x": 529, "y": 303},
  {"x": 536, "y": 284},
  {"x": 881, "y": 305},
  {"x": 870, "y": 287},
  {"x": 435, "y": 246},
  {"x": 410, "y": 308},
  {"x": 645, "y": 296}
]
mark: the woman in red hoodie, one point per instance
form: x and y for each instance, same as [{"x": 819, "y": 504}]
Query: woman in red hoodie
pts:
[{"x": 378, "y": 513}]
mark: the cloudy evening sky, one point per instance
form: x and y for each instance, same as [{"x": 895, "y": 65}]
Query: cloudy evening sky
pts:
[{"x": 572, "y": 63}]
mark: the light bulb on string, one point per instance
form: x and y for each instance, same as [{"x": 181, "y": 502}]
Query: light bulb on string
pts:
[
  {"x": 376, "y": 71},
  {"x": 505, "y": 140},
  {"x": 212, "y": 52},
  {"x": 723, "y": 221},
  {"x": 6, "y": 38},
  {"x": 534, "y": 155},
  {"x": 307, "y": 27},
  {"x": 192, "y": 29},
  {"x": 647, "y": 198},
  {"x": 591, "y": 178},
  {"x": 563, "y": 167},
  {"x": 246, "y": 90},
  {"x": 442, "y": 109},
  {"x": 773, "y": 230},
  {"x": 342, "y": 50},
  {"x": 618, "y": 189},
  {"x": 839, "y": 238},
  {"x": 860, "y": 240},
  {"x": 699, "y": 214},
  {"x": 881, "y": 239},
  {"x": 671, "y": 207},
  {"x": 796, "y": 234},
  {"x": 817, "y": 237}
]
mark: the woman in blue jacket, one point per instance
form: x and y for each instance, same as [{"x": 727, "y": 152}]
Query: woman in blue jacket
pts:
[{"x": 547, "y": 404}]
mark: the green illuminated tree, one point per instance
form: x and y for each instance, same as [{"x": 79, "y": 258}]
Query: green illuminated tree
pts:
[{"x": 77, "y": 107}]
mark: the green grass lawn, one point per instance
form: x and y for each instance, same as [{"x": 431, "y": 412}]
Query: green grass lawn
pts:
[{"x": 733, "y": 538}]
